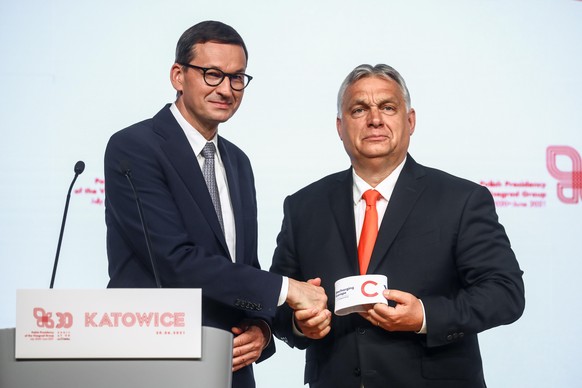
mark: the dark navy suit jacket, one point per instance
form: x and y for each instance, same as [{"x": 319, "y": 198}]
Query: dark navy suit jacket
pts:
[
  {"x": 188, "y": 245},
  {"x": 440, "y": 240}
]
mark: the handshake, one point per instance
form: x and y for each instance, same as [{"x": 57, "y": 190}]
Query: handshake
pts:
[
  {"x": 313, "y": 319},
  {"x": 309, "y": 301}
]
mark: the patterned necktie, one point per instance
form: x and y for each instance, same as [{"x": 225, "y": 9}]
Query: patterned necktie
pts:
[
  {"x": 210, "y": 177},
  {"x": 369, "y": 230}
]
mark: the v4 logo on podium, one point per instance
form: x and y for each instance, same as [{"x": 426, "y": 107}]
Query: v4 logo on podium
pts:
[{"x": 44, "y": 319}]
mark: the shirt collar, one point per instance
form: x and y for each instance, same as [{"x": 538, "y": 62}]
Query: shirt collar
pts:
[
  {"x": 196, "y": 140},
  {"x": 386, "y": 187}
]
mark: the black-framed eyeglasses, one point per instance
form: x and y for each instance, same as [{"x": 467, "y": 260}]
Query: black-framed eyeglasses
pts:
[{"x": 214, "y": 77}]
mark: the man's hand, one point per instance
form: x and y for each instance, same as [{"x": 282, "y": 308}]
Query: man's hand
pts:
[
  {"x": 313, "y": 323},
  {"x": 306, "y": 295},
  {"x": 407, "y": 315},
  {"x": 249, "y": 341}
]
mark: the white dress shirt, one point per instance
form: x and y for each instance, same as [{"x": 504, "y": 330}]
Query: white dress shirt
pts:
[
  {"x": 197, "y": 142},
  {"x": 385, "y": 188}
]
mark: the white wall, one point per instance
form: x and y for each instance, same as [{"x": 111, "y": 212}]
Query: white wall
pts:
[{"x": 494, "y": 83}]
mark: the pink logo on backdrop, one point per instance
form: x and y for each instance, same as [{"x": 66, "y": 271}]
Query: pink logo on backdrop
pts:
[{"x": 569, "y": 186}]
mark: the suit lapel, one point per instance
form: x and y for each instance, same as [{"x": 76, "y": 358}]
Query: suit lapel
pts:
[
  {"x": 342, "y": 207},
  {"x": 178, "y": 151},
  {"x": 406, "y": 192},
  {"x": 232, "y": 177}
]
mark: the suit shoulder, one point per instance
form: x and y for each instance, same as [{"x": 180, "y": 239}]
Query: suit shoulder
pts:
[
  {"x": 151, "y": 127},
  {"x": 451, "y": 183},
  {"x": 328, "y": 183},
  {"x": 134, "y": 129},
  {"x": 136, "y": 136},
  {"x": 440, "y": 175}
]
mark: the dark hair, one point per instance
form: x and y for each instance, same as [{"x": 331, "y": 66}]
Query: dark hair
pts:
[{"x": 207, "y": 31}]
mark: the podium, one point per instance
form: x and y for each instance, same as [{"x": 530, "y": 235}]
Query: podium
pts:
[{"x": 212, "y": 370}]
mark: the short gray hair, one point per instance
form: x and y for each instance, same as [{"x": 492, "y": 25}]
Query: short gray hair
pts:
[{"x": 364, "y": 71}]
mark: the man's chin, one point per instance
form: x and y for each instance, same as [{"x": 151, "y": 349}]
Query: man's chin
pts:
[
  {"x": 221, "y": 118},
  {"x": 222, "y": 115}
]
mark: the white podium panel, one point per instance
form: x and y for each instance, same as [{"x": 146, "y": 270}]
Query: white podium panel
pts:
[
  {"x": 212, "y": 370},
  {"x": 110, "y": 323}
]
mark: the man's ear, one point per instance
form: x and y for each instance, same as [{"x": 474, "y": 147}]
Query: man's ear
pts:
[
  {"x": 338, "y": 126},
  {"x": 177, "y": 77},
  {"x": 412, "y": 120}
]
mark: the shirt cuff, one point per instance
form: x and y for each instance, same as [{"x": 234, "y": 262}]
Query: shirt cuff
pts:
[
  {"x": 423, "y": 328},
  {"x": 284, "y": 291}
]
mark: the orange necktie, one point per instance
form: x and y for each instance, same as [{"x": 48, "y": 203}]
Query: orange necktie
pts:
[{"x": 369, "y": 230}]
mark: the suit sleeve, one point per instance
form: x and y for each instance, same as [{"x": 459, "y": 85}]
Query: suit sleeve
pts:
[
  {"x": 183, "y": 259},
  {"x": 492, "y": 289},
  {"x": 285, "y": 263}
]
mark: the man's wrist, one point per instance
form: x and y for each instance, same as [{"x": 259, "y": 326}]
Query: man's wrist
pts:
[
  {"x": 296, "y": 330},
  {"x": 265, "y": 329}
]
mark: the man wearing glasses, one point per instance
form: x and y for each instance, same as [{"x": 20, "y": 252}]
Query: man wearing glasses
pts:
[{"x": 198, "y": 196}]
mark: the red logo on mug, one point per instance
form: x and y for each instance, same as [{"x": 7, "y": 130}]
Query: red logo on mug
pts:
[
  {"x": 364, "y": 288},
  {"x": 569, "y": 186}
]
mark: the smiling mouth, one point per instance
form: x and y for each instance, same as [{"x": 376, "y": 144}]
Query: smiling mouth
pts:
[{"x": 221, "y": 104}]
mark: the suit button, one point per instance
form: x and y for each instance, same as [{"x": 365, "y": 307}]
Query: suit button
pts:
[
  {"x": 455, "y": 336},
  {"x": 461, "y": 335},
  {"x": 357, "y": 372},
  {"x": 361, "y": 330},
  {"x": 449, "y": 337}
]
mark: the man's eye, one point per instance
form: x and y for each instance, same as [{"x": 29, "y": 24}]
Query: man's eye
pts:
[
  {"x": 237, "y": 77},
  {"x": 213, "y": 74}
]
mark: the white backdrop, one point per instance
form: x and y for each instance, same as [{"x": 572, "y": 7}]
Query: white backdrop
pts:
[{"x": 494, "y": 84}]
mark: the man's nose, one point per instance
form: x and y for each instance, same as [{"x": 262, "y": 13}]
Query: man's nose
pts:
[
  {"x": 224, "y": 87},
  {"x": 374, "y": 118}
]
